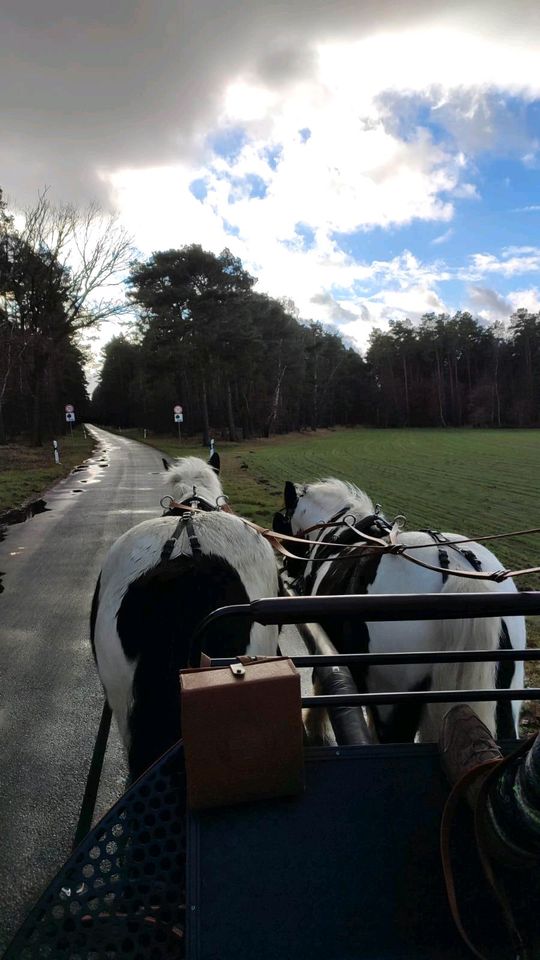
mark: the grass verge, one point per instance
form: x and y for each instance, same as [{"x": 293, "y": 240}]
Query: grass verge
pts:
[{"x": 26, "y": 472}]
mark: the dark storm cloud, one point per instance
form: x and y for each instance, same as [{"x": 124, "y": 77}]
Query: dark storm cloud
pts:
[{"x": 90, "y": 85}]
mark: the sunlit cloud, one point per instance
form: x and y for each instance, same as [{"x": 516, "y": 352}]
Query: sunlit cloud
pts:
[{"x": 377, "y": 133}]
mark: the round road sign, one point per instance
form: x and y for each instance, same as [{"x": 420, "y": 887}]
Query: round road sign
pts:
[
  {"x": 69, "y": 408},
  {"x": 178, "y": 408}
]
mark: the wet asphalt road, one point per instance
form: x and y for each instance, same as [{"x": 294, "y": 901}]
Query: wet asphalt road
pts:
[{"x": 50, "y": 698}]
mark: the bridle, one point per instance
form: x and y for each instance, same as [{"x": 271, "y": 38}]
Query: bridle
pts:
[
  {"x": 385, "y": 541},
  {"x": 174, "y": 508}
]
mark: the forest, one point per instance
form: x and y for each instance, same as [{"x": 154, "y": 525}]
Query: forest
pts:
[
  {"x": 240, "y": 362},
  {"x": 244, "y": 364}
]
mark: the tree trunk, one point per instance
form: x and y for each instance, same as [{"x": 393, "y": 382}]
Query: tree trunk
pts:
[
  {"x": 406, "y": 385},
  {"x": 275, "y": 400},
  {"x": 440, "y": 389},
  {"x": 37, "y": 381},
  {"x": 230, "y": 414},
  {"x": 315, "y": 399},
  {"x": 496, "y": 388},
  {"x": 206, "y": 422}
]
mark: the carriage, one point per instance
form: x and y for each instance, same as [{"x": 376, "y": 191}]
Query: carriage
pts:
[
  {"x": 348, "y": 869},
  {"x": 350, "y": 866}
]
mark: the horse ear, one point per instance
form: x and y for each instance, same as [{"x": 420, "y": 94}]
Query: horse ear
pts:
[
  {"x": 290, "y": 496},
  {"x": 166, "y": 463},
  {"x": 215, "y": 462}
]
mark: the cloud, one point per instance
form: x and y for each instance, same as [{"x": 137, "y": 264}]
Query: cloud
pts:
[
  {"x": 275, "y": 130},
  {"x": 493, "y": 307},
  {"x": 489, "y": 304},
  {"x": 443, "y": 238},
  {"x": 100, "y": 87},
  {"x": 528, "y": 299},
  {"x": 514, "y": 260},
  {"x": 336, "y": 312}
]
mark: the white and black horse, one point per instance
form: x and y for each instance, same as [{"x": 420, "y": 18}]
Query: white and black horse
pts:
[
  {"x": 370, "y": 571},
  {"x": 159, "y": 580}
]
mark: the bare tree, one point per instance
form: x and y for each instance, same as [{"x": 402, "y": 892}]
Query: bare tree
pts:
[
  {"x": 94, "y": 250},
  {"x": 60, "y": 272}
]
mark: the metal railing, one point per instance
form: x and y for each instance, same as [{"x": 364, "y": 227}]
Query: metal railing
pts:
[{"x": 392, "y": 608}]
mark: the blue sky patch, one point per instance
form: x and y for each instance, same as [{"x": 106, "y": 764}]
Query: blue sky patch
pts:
[
  {"x": 272, "y": 154},
  {"x": 231, "y": 229},
  {"x": 307, "y": 234},
  {"x": 228, "y": 142},
  {"x": 249, "y": 187},
  {"x": 198, "y": 188}
]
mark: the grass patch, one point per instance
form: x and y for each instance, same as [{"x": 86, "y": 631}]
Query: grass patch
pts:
[{"x": 26, "y": 472}]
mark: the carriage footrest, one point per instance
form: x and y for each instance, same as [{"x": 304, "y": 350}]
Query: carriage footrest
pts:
[{"x": 242, "y": 730}]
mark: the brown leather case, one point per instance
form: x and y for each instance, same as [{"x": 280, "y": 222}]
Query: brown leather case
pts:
[{"x": 242, "y": 730}]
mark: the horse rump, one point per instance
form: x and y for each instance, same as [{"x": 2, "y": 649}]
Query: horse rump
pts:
[
  {"x": 480, "y": 633},
  {"x": 155, "y": 622}
]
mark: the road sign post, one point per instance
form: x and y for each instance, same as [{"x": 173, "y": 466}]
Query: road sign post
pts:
[
  {"x": 178, "y": 419},
  {"x": 70, "y": 416}
]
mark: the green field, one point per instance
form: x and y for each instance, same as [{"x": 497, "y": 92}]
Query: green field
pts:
[{"x": 467, "y": 481}]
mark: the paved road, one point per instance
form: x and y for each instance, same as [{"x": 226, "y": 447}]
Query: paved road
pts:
[{"x": 50, "y": 698}]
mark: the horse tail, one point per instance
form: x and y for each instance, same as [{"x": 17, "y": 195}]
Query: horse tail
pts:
[{"x": 486, "y": 633}]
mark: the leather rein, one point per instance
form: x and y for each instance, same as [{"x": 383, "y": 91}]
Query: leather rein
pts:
[{"x": 387, "y": 544}]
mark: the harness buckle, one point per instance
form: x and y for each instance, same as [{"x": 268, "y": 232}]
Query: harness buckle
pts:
[{"x": 237, "y": 670}]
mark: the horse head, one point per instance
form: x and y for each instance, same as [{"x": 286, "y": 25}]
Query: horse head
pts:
[
  {"x": 187, "y": 476},
  {"x": 309, "y": 504}
]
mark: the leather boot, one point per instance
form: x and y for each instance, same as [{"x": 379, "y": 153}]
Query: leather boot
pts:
[{"x": 464, "y": 743}]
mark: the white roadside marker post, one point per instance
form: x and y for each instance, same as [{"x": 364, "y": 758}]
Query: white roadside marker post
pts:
[{"x": 56, "y": 451}]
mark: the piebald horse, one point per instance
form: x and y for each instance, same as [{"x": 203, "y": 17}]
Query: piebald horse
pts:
[
  {"x": 158, "y": 581},
  {"x": 370, "y": 571}
]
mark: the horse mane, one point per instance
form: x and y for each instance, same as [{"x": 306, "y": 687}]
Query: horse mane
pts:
[
  {"x": 348, "y": 494},
  {"x": 189, "y": 472}
]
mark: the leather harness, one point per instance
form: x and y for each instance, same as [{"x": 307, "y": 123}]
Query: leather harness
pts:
[
  {"x": 444, "y": 560},
  {"x": 184, "y": 509}
]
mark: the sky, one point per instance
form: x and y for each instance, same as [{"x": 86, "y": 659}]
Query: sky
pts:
[{"x": 368, "y": 160}]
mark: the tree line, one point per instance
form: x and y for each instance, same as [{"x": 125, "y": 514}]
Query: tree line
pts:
[
  {"x": 245, "y": 364},
  {"x": 241, "y": 363},
  {"x": 455, "y": 371}
]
